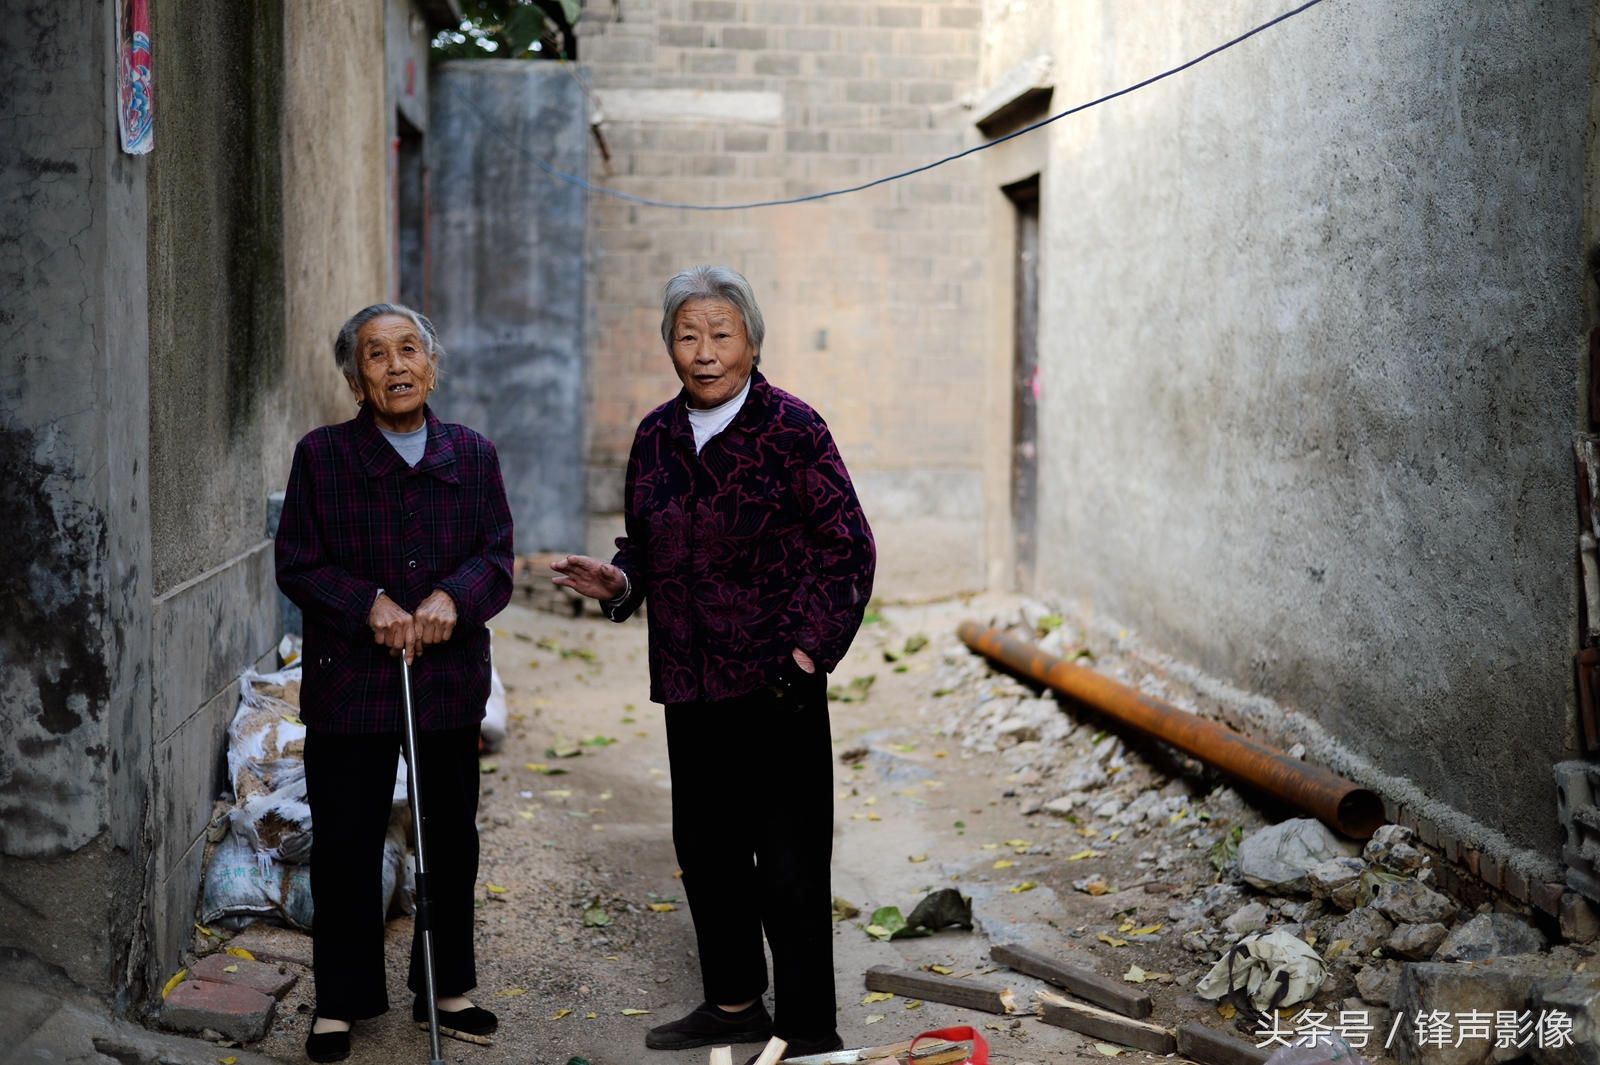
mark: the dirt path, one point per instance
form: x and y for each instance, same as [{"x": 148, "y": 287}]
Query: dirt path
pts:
[{"x": 917, "y": 812}]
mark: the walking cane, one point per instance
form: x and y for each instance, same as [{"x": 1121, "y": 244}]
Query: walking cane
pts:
[{"x": 424, "y": 914}]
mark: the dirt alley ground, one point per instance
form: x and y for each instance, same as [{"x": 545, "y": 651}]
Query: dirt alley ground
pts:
[{"x": 915, "y": 814}]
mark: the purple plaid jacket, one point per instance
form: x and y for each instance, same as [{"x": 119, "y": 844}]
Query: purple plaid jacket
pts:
[
  {"x": 756, "y": 546},
  {"x": 356, "y": 519}
]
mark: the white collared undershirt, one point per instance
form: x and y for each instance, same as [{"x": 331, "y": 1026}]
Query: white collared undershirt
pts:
[{"x": 708, "y": 423}]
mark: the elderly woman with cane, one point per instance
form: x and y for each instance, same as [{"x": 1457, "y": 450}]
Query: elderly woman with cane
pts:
[
  {"x": 748, "y": 546},
  {"x": 395, "y": 540}
]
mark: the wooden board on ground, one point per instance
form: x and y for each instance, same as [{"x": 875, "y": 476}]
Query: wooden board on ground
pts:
[
  {"x": 1078, "y": 979},
  {"x": 950, "y": 990},
  {"x": 1102, "y": 1024},
  {"x": 1211, "y": 1047},
  {"x": 721, "y": 1056},
  {"x": 927, "y": 1054},
  {"x": 772, "y": 1052}
]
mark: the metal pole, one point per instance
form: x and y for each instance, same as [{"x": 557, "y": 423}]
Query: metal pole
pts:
[
  {"x": 1349, "y": 809},
  {"x": 424, "y": 923}
]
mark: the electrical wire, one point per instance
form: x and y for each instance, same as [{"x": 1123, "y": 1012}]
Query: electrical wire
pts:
[{"x": 646, "y": 201}]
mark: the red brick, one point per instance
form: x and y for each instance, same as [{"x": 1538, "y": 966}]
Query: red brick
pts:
[
  {"x": 271, "y": 980},
  {"x": 1547, "y": 897},
  {"x": 237, "y": 1012}
]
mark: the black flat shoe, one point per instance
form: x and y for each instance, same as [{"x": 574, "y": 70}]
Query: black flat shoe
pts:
[
  {"x": 327, "y": 1046},
  {"x": 799, "y": 1048},
  {"x": 709, "y": 1026},
  {"x": 471, "y": 1025}
]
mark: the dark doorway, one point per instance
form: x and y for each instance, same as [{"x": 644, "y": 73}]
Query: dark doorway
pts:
[
  {"x": 410, "y": 223},
  {"x": 1024, "y": 197}
]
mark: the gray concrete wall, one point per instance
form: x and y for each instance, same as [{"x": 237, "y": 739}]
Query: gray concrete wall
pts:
[
  {"x": 150, "y": 399},
  {"x": 1311, "y": 332},
  {"x": 506, "y": 281},
  {"x": 74, "y": 624}
]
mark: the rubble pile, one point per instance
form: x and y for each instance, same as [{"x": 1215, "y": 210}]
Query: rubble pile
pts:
[{"x": 1271, "y": 917}]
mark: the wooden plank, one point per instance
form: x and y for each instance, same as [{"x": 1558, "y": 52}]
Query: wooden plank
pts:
[
  {"x": 721, "y": 1056},
  {"x": 1102, "y": 1024},
  {"x": 1211, "y": 1047},
  {"x": 1080, "y": 980},
  {"x": 927, "y": 1054},
  {"x": 950, "y": 990},
  {"x": 772, "y": 1052}
]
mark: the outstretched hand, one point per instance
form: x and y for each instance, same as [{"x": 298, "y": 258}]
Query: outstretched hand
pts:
[{"x": 590, "y": 577}]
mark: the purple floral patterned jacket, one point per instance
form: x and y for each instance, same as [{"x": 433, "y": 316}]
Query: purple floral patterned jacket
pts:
[
  {"x": 753, "y": 547},
  {"x": 356, "y": 519}
]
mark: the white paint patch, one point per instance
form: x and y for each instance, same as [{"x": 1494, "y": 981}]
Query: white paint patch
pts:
[{"x": 690, "y": 105}]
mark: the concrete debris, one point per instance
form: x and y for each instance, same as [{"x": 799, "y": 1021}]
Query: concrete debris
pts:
[
  {"x": 1415, "y": 942},
  {"x": 1579, "y": 999},
  {"x": 1336, "y": 880},
  {"x": 1491, "y": 935},
  {"x": 1392, "y": 847},
  {"x": 1278, "y": 858},
  {"x": 1580, "y": 918},
  {"x": 1377, "y": 983},
  {"x": 1365, "y": 928},
  {"x": 274, "y": 980},
  {"x": 1063, "y": 806},
  {"x": 239, "y": 1013},
  {"x": 1413, "y": 902},
  {"x": 1456, "y": 988},
  {"x": 1252, "y": 917},
  {"x": 1275, "y": 969}
]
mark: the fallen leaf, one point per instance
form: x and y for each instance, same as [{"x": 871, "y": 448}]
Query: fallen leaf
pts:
[
  {"x": 1004, "y": 863},
  {"x": 1135, "y": 975},
  {"x": 1147, "y": 930},
  {"x": 1226, "y": 1011},
  {"x": 916, "y": 859},
  {"x": 595, "y": 917},
  {"x": 915, "y": 643},
  {"x": 941, "y": 754},
  {"x": 177, "y": 978},
  {"x": 526, "y": 815},
  {"x": 229, "y": 1060},
  {"x": 1026, "y": 885},
  {"x": 1336, "y": 948},
  {"x": 598, "y": 741},
  {"x": 512, "y": 992},
  {"x": 662, "y": 907},
  {"x": 873, "y": 1018},
  {"x": 1108, "y": 1050},
  {"x": 844, "y": 909},
  {"x": 1081, "y": 855},
  {"x": 560, "y": 1013},
  {"x": 942, "y": 970},
  {"x": 902, "y": 748},
  {"x": 1113, "y": 940},
  {"x": 914, "y": 1004},
  {"x": 230, "y": 968},
  {"x": 1179, "y": 816},
  {"x": 873, "y": 817},
  {"x": 495, "y": 889},
  {"x": 874, "y": 997},
  {"x": 203, "y": 930},
  {"x": 1018, "y": 844},
  {"x": 240, "y": 952},
  {"x": 1088, "y": 833},
  {"x": 487, "y": 768},
  {"x": 591, "y": 1015},
  {"x": 559, "y": 793},
  {"x": 1112, "y": 836},
  {"x": 635, "y": 1013}
]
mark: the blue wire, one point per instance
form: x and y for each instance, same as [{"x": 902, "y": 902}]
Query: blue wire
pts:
[{"x": 645, "y": 201}]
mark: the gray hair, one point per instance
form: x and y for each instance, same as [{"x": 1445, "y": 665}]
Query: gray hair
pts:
[
  {"x": 712, "y": 283},
  {"x": 344, "y": 345}
]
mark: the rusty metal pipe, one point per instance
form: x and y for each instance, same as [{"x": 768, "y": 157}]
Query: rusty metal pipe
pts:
[{"x": 1348, "y": 809}]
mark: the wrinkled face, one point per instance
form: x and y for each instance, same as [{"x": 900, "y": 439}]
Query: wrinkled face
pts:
[
  {"x": 711, "y": 351},
  {"x": 394, "y": 373}
]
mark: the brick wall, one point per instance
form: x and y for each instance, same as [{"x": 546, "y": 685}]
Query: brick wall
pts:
[{"x": 872, "y": 300}]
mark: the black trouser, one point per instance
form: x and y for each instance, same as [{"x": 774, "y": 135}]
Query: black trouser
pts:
[
  {"x": 350, "y": 786},
  {"x": 752, "y": 820}
]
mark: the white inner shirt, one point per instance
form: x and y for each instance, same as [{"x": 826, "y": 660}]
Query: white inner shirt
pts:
[
  {"x": 411, "y": 446},
  {"x": 708, "y": 423}
]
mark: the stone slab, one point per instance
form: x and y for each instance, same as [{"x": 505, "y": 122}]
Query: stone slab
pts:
[
  {"x": 237, "y": 1012},
  {"x": 274, "y": 980}
]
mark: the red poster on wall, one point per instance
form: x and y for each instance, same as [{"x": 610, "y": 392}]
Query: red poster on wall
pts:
[{"x": 135, "y": 90}]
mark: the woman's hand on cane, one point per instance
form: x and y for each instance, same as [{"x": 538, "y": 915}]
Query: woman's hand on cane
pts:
[
  {"x": 393, "y": 628},
  {"x": 590, "y": 577}
]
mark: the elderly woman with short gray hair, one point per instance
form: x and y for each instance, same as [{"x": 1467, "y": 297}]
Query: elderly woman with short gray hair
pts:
[
  {"x": 395, "y": 539},
  {"x": 748, "y": 546}
]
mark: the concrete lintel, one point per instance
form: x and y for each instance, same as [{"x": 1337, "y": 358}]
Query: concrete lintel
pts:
[
  {"x": 1024, "y": 87},
  {"x": 690, "y": 105}
]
